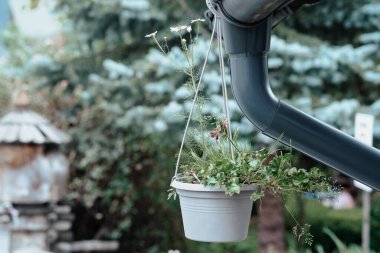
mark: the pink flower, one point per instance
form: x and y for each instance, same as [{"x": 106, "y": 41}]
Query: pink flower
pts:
[{"x": 215, "y": 134}]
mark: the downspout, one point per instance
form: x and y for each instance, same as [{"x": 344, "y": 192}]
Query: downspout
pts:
[{"x": 247, "y": 47}]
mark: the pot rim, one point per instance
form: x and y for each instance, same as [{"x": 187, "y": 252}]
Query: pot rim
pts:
[{"x": 201, "y": 188}]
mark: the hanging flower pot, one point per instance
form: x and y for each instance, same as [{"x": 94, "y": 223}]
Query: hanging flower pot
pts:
[
  {"x": 219, "y": 177},
  {"x": 210, "y": 215}
]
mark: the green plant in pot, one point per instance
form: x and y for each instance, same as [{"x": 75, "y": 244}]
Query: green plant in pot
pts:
[
  {"x": 216, "y": 190},
  {"x": 217, "y": 179}
]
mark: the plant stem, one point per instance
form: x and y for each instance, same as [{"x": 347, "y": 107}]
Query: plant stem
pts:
[
  {"x": 232, "y": 142},
  {"x": 291, "y": 213},
  {"x": 158, "y": 44}
]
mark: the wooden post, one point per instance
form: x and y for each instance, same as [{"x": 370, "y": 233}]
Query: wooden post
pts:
[
  {"x": 364, "y": 133},
  {"x": 366, "y": 221},
  {"x": 2, "y": 191},
  {"x": 271, "y": 225},
  {"x": 5, "y": 240}
]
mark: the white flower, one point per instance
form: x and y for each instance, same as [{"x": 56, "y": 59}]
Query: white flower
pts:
[
  {"x": 188, "y": 28},
  {"x": 178, "y": 28},
  {"x": 175, "y": 29},
  {"x": 151, "y": 35},
  {"x": 198, "y": 20}
]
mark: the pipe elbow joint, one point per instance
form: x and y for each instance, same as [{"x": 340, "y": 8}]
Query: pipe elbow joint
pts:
[
  {"x": 252, "y": 91},
  {"x": 248, "y": 49}
]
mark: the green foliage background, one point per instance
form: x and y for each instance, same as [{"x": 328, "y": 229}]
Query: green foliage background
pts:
[{"x": 121, "y": 99}]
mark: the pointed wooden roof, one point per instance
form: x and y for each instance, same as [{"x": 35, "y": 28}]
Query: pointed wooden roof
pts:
[{"x": 25, "y": 126}]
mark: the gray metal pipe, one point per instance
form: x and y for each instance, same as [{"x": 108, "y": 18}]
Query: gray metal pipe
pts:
[
  {"x": 247, "y": 48},
  {"x": 246, "y": 12}
]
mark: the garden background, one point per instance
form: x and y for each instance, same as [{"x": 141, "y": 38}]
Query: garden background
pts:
[{"x": 122, "y": 100}]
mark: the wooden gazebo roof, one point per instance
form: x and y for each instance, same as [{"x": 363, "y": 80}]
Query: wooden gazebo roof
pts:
[{"x": 25, "y": 126}]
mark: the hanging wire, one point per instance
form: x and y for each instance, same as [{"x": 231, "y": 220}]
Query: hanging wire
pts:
[
  {"x": 218, "y": 28},
  {"x": 224, "y": 86}
]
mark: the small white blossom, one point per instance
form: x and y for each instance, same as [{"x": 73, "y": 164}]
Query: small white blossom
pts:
[
  {"x": 151, "y": 35},
  {"x": 188, "y": 28},
  {"x": 178, "y": 28},
  {"x": 198, "y": 20},
  {"x": 175, "y": 29}
]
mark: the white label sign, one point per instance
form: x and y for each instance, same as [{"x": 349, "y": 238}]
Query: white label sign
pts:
[
  {"x": 364, "y": 133},
  {"x": 364, "y": 128}
]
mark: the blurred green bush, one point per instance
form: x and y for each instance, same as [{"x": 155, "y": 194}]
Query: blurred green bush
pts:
[
  {"x": 341, "y": 246},
  {"x": 375, "y": 221},
  {"x": 247, "y": 246},
  {"x": 119, "y": 98},
  {"x": 346, "y": 224}
]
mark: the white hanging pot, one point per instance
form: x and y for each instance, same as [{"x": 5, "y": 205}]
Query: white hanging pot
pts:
[{"x": 209, "y": 215}]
